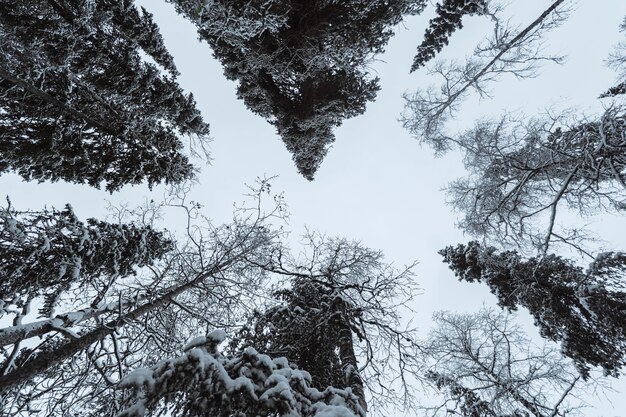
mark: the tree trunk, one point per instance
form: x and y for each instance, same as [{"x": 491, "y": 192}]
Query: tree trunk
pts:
[
  {"x": 14, "y": 334},
  {"x": 50, "y": 359},
  {"x": 349, "y": 365}
]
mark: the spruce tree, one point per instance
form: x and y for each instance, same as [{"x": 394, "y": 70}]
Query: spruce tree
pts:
[
  {"x": 449, "y": 18},
  {"x": 300, "y": 64},
  {"x": 44, "y": 253},
  {"x": 80, "y": 104},
  {"x": 304, "y": 328},
  {"x": 583, "y": 309}
]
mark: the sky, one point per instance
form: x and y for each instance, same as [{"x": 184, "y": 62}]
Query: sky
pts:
[{"x": 377, "y": 184}]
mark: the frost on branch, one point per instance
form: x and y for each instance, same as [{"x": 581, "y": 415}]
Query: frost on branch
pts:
[
  {"x": 523, "y": 173},
  {"x": 80, "y": 104},
  {"x": 302, "y": 65},
  {"x": 617, "y": 61},
  {"x": 203, "y": 381},
  {"x": 509, "y": 50},
  {"x": 483, "y": 365}
]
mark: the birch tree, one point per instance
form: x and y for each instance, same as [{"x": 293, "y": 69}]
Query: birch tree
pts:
[
  {"x": 204, "y": 282},
  {"x": 509, "y": 50},
  {"x": 524, "y": 173}
]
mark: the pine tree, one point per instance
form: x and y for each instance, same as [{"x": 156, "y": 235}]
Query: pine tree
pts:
[
  {"x": 449, "y": 18},
  {"x": 305, "y": 328},
  {"x": 584, "y": 310},
  {"x": 203, "y": 382},
  {"x": 46, "y": 252},
  {"x": 80, "y": 104},
  {"x": 300, "y": 64}
]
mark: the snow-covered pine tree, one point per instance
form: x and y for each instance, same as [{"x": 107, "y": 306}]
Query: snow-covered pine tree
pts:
[
  {"x": 44, "y": 253},
  {"x": 585, "y": 310},
  {"x": 80, "y": 104},
  {"x": 449, "y": 18},
  {"x": 203, "y": 381},
  {"x": 301, "y": 64}
]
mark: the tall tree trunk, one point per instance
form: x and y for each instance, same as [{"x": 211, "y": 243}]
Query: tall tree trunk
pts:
[{"x": 349, "y": 364}]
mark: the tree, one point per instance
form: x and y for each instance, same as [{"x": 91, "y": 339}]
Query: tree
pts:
[
  {"x": 617, "y": 61},
  {"x": 205, "y": 280},
  {"x": 482, "y": 365},
  {"x": 339, "y": 320},
  {"x": 585, "y": 310},
  {"x": 448, "y": 19},
  {"x": 204, "y": 382},
  {"x": 510, "y": 50},
  {"x": 300, "y": 64},
  {"x": 80, "y": 104},
  {"x": 523, "y": 172},
  {"x": 46, "y": 252}
]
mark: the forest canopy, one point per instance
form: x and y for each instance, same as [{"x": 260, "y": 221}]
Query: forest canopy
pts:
[{"x": 125, "y": 289}]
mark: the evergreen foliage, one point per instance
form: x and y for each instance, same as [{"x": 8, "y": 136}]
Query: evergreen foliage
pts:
[
  {"x": 449, "y": 18},
  {"x": 300, "y": 64},
  {"x": 46, "y": 252},
  {"x": 304, "y": 328},
  {"x": 203, "y": 382},
  {"x": 583, "y": 309},
  {"x": 80, "y": 104},
  {"x": 340, "y": 307}
]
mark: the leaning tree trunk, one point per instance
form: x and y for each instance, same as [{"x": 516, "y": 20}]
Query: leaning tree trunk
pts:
[
  {"x": 14, "y": 334},
  {"x": 46, "y": 361}
]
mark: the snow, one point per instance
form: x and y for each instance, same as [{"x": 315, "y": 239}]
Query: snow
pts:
[
  {"x": 140, "y": 377},
  {"x": 195, "y": 342},
  {"x": 324, "y": 410},
  {"x": 259, "y": 378},
  {"x": 217, "y": 336}
]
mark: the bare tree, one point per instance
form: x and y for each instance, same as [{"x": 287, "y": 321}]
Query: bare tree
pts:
[
  {"x": 339, "y": 319},
  {"x": 617, "y": 61},
  {"x": 523, "y": 173},
  {"x": 509, "y": 50},
  {"x": 482, "y": 365}
]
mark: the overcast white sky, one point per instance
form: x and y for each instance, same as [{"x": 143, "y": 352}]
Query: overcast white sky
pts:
[{"x": 377, "y": 184}]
